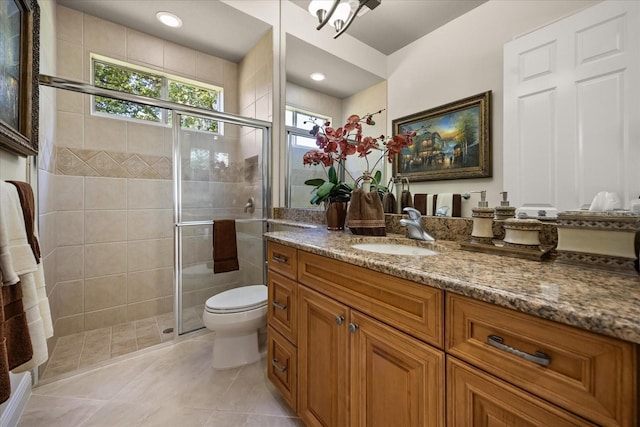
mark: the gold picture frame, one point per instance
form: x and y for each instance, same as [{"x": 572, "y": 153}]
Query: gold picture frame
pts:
[
  {"x": 19, "y": 70},
  {"x": 452, "y": 141}
]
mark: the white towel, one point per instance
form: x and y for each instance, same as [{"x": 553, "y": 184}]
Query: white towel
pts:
[
  {"x": 430, "y": 204},
  {"x": 43, "y": 301},
  {"x": 445, "y": 199},
  {"x": 16, "y": 256},
  {"x": 18, "y": 264}
]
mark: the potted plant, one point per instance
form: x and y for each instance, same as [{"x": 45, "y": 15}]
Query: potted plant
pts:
[{"x": 334, "y": 147}]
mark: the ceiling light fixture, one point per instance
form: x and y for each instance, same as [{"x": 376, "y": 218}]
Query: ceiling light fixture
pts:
[
  {"x": 169, "y": 19},
  {"x": 339, "y": 14},
  {"x": 317, "y": 76}
]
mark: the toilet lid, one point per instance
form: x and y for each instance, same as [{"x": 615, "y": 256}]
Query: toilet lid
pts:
[{"x": 238, "y": 299}]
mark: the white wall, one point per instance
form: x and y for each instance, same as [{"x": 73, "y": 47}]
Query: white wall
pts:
[{"x": 461, "y": 59}]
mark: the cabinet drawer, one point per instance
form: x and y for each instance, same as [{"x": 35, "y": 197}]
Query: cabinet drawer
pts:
[
  {"x": 589, "y": 374},
  {"x": 474, "y": 397},
  {"x": 282, "y": 366},
  {"x": 413, "y": 308},
  {"x": 283, "y": 306},
  {"x": 282, "y": 259}
]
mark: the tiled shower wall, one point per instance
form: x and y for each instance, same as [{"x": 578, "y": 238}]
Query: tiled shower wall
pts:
[{"x": 108, "y": 184}]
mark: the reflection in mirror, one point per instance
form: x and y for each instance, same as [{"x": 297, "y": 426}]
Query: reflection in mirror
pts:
[{"x": 347, "y": 89}]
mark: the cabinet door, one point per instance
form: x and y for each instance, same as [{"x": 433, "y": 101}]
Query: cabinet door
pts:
[
  {"x": 323, "y": 356},
  {"x": 396, "y": 380},
  {"x": 475, "y": 399},
  {"x": 282, "y": 313},
  {"x": 281, "y": 366}
]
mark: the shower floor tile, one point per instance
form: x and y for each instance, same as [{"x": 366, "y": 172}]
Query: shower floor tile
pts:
[{"x": 85, "y": 349}]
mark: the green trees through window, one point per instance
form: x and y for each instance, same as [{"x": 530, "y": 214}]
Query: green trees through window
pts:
[{"x": 146, "y": 83}]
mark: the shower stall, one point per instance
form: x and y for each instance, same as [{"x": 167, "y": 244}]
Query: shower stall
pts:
[{"x": 147, "y": 220}]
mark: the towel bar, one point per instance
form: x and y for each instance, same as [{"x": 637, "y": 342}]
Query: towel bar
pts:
[{"x": 210, "y": 222}]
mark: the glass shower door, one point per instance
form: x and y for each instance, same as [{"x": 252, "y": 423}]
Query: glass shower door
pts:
[{"x": 216, "y": 176}]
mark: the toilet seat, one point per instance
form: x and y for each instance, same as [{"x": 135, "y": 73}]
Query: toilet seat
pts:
[{"x": 237, "y": 300}]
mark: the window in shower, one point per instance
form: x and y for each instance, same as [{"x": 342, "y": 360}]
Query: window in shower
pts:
[
  {"x": 304, "y": 120},
  {"x": 117, "y": 75}
]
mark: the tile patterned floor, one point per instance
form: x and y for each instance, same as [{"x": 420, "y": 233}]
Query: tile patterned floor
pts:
[
  {"x": 172, "y": 385},
  {"x": 85, "y": 349}
]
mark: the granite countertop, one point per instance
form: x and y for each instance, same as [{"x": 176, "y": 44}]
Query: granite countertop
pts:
[{"x": 591, "y": 299}]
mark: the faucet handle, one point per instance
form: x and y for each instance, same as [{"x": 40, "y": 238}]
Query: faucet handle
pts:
[{"x": 413, "y": 213}]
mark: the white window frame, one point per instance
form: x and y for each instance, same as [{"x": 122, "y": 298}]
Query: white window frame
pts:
[
  {"x": 166, "y": 77},
  {"x": 296, "y": 111}
]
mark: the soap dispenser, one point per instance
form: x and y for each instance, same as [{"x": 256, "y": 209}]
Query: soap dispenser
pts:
[
  {"x": 504, "y": 211},
  {"x": 482, "y": 220}
]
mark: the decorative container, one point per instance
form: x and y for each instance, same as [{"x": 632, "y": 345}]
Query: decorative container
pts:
[
  {"x": 606, "y": 240},
  {"x": 336, "y": 214}
]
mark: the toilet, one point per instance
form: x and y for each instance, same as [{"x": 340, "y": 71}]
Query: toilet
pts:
[{"x": 235, "y": 316}]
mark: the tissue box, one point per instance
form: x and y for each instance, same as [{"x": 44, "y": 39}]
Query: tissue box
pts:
[{"x": 607, "y": 240}]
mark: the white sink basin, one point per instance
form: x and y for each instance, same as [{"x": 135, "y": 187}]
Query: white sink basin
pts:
[{"x": 394, "y": 249}]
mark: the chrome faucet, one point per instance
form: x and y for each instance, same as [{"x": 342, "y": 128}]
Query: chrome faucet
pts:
[{"x": 414, "y": 225}]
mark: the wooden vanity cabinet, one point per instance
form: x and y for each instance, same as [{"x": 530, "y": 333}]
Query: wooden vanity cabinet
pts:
[
  {"x": 355, "y": 370},
  {"x": 349, "y": 346}
]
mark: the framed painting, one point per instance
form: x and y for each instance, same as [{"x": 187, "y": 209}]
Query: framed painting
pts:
[
  {"x": 19, "y": 69},
  {"x": 452, "y": 141}
]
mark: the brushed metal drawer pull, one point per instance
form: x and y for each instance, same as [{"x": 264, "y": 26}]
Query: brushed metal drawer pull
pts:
[
  {"x": 279, "y": 306},
  {"x": 339, "y": 320},
  {"x": 282, "y": 259},
  {"x": 353, "y": 327},
  {"x": 540, "y": 358},
  {"x": 274, "y": 362}
]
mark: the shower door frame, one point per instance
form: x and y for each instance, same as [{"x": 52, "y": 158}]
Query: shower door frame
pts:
[
  {"x": 179, "y": 224},
  {"x": 179, "y": 109}
]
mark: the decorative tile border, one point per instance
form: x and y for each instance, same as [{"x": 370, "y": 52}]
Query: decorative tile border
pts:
[{"x": 81, "y": 162}]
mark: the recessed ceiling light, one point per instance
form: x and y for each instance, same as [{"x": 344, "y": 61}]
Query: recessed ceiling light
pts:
[
  {"x": 169, "y": 19},
  {"x": 317, "y": 76}
]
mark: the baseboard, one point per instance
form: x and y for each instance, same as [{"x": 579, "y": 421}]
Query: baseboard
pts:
[{"x": 11, "y": 410}]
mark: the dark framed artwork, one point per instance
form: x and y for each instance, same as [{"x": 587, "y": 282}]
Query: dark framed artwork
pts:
[
  {"x": 452, "y": 141},
  {"x": 19, "y": 69}
]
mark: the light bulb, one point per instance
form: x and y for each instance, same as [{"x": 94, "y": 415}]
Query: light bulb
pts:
[
  {"x": 320, "y": 5},
  {"x": 341, "y": 13},
  {"x": 317, "y": 76},
  {"x": 169, "y": 19}
]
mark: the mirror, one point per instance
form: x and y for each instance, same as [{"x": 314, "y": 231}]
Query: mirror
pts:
[{"x": 347, "y": 89}]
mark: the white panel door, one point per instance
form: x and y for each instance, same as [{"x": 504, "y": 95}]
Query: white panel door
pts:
[{"x": 572, "y": 109}]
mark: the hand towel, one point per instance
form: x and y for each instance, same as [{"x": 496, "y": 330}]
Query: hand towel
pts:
[
  {"x": 445, "y": 200},
  {"x": 366, "y": 214},
  {"x": 5, "y": 379},
  {"x": 431, "y": 199},
  {"x": 451, "y": 200},
  {"x": 225, "y": 247},
  {"x": 27, "y": 202},
  {"x": 35, "y": 324},
  {"x": 43, "y": 301},
  {"x": 14, "y": 327},
  {"x": 16, "y": 255},
  {"x": 420, "y": 203}
]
